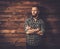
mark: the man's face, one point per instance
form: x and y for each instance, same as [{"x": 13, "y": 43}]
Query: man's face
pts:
[{"x": 35, "y": 11}]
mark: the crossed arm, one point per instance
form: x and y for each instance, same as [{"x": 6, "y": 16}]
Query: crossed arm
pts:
[{"x": 30, "y": 30}]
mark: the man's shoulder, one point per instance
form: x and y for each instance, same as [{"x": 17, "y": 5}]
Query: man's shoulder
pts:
[
  {"x": 41, "y": 20},
  {"x": 28, "y": 19}
]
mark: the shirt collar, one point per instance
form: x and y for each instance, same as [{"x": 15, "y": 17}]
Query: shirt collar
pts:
[{"x": 37, "y": 17}]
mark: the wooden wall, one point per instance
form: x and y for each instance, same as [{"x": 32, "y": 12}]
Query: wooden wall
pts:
[
  {"x": 12, "y": 18},
  {"x": 13, "y": 15}
]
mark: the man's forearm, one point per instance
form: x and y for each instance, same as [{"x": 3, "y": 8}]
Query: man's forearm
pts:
[{"x": 31, "y": 31}]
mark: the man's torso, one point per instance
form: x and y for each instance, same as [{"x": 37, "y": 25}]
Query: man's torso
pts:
[{"x": 33, "y": 39}]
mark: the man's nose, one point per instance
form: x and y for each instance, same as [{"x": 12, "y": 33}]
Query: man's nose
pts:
[{"x": 33, "y": 11}]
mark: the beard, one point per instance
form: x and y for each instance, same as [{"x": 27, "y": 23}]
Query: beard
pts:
[{"x": 34, "y": 15}]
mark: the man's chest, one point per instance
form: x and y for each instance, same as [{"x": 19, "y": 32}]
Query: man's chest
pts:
[{"x": 34, "y": 24}]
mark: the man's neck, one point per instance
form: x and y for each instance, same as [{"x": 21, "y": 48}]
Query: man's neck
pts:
[{"x": 35, "y": 18}]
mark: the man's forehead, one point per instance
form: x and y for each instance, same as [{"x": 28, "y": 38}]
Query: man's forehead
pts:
[{"x": 34, "y": 8}]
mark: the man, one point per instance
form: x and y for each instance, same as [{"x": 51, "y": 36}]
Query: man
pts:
[{"x": 34, "y": 28}]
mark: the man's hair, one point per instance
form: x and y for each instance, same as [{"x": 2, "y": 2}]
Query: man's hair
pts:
[{"x": 36, "y": 6}]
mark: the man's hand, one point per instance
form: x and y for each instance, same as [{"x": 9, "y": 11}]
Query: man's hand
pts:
[
  {"x": 40, "y": 32},
  {"x": 28, "y": 27}
]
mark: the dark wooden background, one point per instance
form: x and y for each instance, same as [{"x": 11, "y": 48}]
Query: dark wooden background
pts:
[{"x": 13, "y": 14}]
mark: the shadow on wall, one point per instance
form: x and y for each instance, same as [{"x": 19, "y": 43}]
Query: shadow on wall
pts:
[
  {"x": 48, "y": 36},
  {"x": 44, "y": 14}
]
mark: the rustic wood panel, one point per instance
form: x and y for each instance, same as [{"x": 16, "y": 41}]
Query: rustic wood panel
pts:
[{"x": 12, "y": 18}]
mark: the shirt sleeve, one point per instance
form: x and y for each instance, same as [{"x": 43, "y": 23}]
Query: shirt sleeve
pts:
[
  {"x": 25, "y": 25},
  {"x": 42, "y": 26}
]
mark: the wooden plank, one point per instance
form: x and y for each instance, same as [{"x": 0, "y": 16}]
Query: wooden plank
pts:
[
  {"x": 17, "y": 45},
  {"x": 11, "y": 35},
  {"x": 52, "y": 19},
  {"x": 4, "y": 2},
  {"x": 12, "y": 40},
  {"x": 5, "y": 13},
  {"x": 21, "y": 44},
  {"x": 13, "y": 13},
  {"x": 3, "y": 16},
  {"x": 12, "y": 31}
]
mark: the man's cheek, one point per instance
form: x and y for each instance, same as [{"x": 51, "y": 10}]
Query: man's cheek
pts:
[{"x": 35, "y": 12}]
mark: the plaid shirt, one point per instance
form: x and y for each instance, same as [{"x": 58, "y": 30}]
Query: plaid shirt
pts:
[{"x": 34, "y": 39}]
